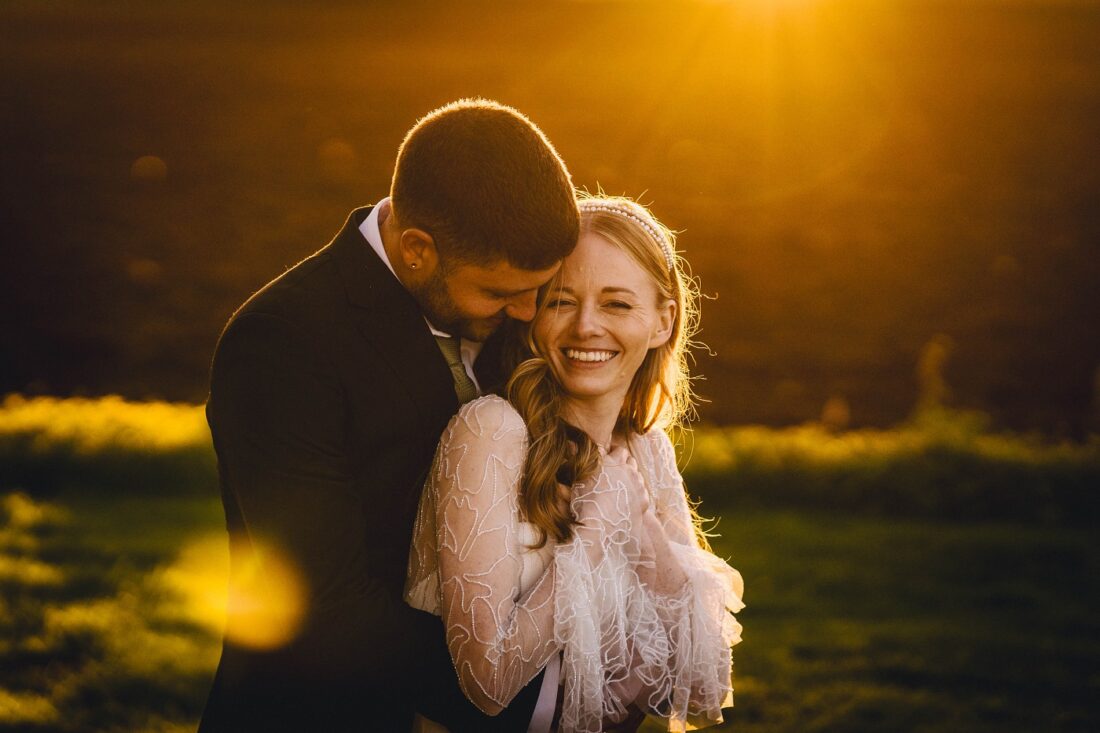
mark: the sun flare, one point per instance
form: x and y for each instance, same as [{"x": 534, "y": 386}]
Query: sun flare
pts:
[{"x": 262, "y": 608}]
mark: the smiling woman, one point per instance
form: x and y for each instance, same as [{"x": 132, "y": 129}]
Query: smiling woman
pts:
[
  {"x": 601, "y": 317},
  {"x": 619, "y": 317},
  {"x": 554, "y": 533}
]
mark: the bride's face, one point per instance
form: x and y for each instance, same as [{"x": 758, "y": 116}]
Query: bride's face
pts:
[{"x": 600, "y": 318}]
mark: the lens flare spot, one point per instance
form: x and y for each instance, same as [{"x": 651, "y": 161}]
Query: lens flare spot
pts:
[
  {"x": 199, "y": 579},
  {"x": 338, "y": 159},
  {"x": 144, "y": 271},
  {"x": 266, "y": 601},
  {"x": 149, "y": 169},
  {"x": 836, "y": 414},
  {"x": 261, "y": 606}
]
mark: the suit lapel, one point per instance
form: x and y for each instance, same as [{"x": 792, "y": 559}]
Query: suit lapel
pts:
[{"x": 390, "y": 319}]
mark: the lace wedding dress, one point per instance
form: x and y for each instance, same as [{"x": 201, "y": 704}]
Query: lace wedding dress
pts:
[{"x": 508, "y": 608}]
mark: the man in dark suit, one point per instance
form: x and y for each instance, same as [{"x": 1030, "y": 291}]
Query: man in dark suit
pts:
[{"x": 329, "y": 390}]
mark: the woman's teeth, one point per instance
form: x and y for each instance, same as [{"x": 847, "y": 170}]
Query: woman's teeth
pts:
[{"x": 589, "y": 355}]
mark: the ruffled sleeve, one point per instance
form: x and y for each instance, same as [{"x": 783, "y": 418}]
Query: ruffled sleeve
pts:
[
  {"x": 625, "y": 642},
  {"x": 608, "y": 627},
  {"x": 699, "y": 621}
]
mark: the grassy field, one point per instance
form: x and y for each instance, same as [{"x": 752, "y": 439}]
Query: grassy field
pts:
[
  {"x": 896, "y": 617},
  {"x": 110, "y": 620},
  {"x": 106, "y": 621},
  {"x": 887, "y": 625}
]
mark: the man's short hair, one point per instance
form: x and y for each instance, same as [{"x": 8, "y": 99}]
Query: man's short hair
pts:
[{"x": 487, "y": 185}]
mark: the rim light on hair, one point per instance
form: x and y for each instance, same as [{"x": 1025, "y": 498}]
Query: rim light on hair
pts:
[{"x": 670, "y": 256}]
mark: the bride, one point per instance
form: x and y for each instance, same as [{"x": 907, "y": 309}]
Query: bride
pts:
[{"x": 554, "y": 524}]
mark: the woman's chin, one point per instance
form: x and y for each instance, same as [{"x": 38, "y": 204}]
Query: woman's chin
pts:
[
  {"x": 594, "y": 390},
  {"x": 589, "y": 380}
]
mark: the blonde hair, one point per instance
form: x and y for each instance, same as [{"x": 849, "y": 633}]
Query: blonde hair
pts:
[{"x": 660, "y": 394}]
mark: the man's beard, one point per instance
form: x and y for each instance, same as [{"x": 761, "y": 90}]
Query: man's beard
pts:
[{"x": 443, "y": 313}]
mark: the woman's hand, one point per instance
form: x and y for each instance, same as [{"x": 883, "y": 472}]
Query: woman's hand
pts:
[
  {"x": 603, "y": 501},
  {"x": 607, "y": 508},
  {"x": 655, "y": 565},
  {"x": 641, "y": 513}
]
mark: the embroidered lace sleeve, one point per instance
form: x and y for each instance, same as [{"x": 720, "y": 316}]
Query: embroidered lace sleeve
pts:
[
  {"x": 498, "y": 635},
  {"x": 667, "y": 487},
  {"x": 507, "y": 608}
]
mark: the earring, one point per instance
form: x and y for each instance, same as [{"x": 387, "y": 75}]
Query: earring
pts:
[{"x": 413, "y": 265}]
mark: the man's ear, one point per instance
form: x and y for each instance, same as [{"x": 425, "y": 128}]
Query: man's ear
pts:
[
  {"x": 417, "y": 250},
  {"x": 666, "y": 316}
]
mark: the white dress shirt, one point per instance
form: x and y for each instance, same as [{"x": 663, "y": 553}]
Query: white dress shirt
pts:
[{"x": 543, "y": 715}]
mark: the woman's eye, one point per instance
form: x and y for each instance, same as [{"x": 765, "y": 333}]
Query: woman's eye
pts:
[
  {"x": 618, "y": 305},
  {"x": 558, "y": 302}
]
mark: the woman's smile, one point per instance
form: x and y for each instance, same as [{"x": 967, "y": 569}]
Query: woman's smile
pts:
[{"x": 588, "y": 356}]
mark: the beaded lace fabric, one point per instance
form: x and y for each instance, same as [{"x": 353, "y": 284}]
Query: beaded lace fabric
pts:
[{"x": 508, "y": 608}]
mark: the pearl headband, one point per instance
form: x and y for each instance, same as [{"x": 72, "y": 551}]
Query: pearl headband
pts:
[{"x": 625, "y": 213}]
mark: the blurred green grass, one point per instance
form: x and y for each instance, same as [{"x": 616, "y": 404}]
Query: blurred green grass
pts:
[
  {"x": 942, "y": 463},
  {"x": 103, "y": 625},
  {"x": 853, "y": 624},
  {"x": 900, "y": 621},
  {"x": 872, "y": 624}
]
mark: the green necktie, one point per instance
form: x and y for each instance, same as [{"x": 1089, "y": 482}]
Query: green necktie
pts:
[{"x": 464, "y": 386}]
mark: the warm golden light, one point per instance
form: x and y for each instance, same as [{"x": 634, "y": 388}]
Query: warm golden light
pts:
[
  {"x": 90, "y": 426},
  {"x": 266, "y": 601},
  {"x": 26, "y": 708},
  {"x": 772, "y": 9},
  {"x": 24, "y": 513},
  {"x": 262, "y": 608},
  {"x": 781, "y": 5},
  {"x": 199, "y": 580}
]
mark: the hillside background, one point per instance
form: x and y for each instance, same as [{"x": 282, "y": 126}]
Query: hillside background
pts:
[{"x": 856, "y": 181}]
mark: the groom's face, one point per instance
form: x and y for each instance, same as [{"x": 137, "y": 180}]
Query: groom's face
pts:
[{"x": 473, "y": 300}]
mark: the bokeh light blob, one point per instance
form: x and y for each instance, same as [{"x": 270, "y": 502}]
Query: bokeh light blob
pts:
[{"x": 149, "y": 169}]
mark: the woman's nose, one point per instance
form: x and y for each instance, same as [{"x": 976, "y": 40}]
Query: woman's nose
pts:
[{"x": 587, "y": 322}]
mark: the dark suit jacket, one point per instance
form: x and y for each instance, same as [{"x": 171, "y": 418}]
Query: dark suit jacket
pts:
[{"x": 328, "y": 395}]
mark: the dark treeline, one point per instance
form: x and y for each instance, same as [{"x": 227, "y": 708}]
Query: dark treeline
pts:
[{"x": 856, "y": 182}]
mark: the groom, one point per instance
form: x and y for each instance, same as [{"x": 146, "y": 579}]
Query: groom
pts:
[{"x": 329, "y": 390}]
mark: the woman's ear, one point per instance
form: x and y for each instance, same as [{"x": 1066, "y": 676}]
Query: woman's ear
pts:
[{"x": 666, "y": 316}]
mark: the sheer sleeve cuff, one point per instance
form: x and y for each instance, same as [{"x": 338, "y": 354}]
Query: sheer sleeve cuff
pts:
[
  {"x": 701, "y": 630},
  {"x": 609, "y": 628}
]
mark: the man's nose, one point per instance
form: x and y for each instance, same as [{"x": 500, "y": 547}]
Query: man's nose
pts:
[{"x": 522, "y": 306}]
